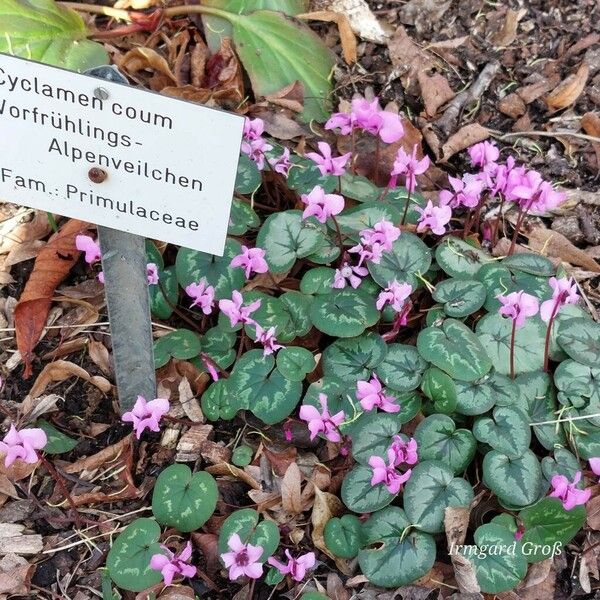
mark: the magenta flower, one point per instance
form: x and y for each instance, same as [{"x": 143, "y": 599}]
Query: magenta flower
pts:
[
  {"x": 235, "y": 310},
  {"x": 296, "y": 567},
  {"x": 146, "y": 415},
  {"x": 484, "y": 154},
  {"x": 394, "y": 294},
  {"x": 348, "y": 274},
  {"x": 321, "y": 205},
  {"x": 518, "y": 306},
  {"x": 595, "y": 465},
  {"x": 322, "y": 422},
  {"x": 434, "y": 217},
  {"x": 371, "y": 394},
  {"x": 376, "y": 240},
  {"x": 100, "y": 277},
  {"x": 266, "y": 337},
  {"x": 209, "y": 366},
  {"x": 202, "y": 294},
  {"x": 325, "y": 161},
  {"x": 409, "y": 166},
  {"x": 535, "y": 195},
  {"x": 22, "y": 444},
  {"x": 253, "y": 129},
  {"x": 171, "y": 565},
  {"x": 564, "y": 292},
  {"x": 243, "y": 559},
  {"x": 568, "y": 493},
  {"x": 466, "y": 192},
  {"x": 252, "y": 260},
  {"x": 84, "y": 243},
  {"x": 255, "y": 150},
  {"x": 341, "y": 121},
  {"x": 152, "y": 273},
  {"x": 282, "y": 164},
  {"x": 519, "y": 532},
  {"x": 387, "y": 474},
  {"x": 404, "y": 452},
  {"x": 505, "y": 178}
]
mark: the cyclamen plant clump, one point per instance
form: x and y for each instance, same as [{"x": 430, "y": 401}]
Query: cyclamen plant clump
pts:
[{"x": 350, "y": 313}]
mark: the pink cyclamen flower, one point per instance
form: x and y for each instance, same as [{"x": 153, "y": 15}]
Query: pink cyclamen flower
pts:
[
  {"x": 404, "y": 452},
  {"x": 171, "y": 564},
  {"x": 348, "y": 274},
  {"x": 564, "y": 291},
  {"x": 519, "y": 532},
  {"x": 253, "y": 129},
  {"x": 505, "y": 178},
  {"x": 371, "y": 394},
  {"x": 202, "y": 294},
  {"x": 341, "y": 121},
  {"x": 394, "y": 294},
  {"x": 243, "y": 559},
  {"x": 255, "y": 150},
  {"x": 210, "y": 367},
  {"x": 368, "y": 116},
  {"x": 434, "y": 217},
  {"x": 22, "y": 444},
  {"x": 321, "y": 205},
  {"x": 252, "y": 260},
  {"x": 484, "y": 154},
  {"x": 146, "y": 415},
  {"x": 518, "y": 306},
  {"x": 152, "y": 273},
  {"x": 100, "y": 277},
  {"x": 568, "y": 493},
  {"x": 595, "y": 465},
  {"x": 387, "y": 474},
  {"x": 84, "y": 243},
  {"x": 326, "y": 163},
  {"x": 535, "y": 195},
  {"x": 235, "y": 310},
  {"x": 409, "y": 166},
  {"x": 266, "y": 337},
  {"x": 466, "y": 192},
  {"x": 296, "y": 567},
  {"x": 322, "y": 422},
  {"x": 282, "y": 164},
  {"x": 376, "y": 240}
]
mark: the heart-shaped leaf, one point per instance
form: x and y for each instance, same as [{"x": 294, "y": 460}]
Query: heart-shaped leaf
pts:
[
  {"x": 359, "y": 495},
  {"x": 182, "y": 344},
  {"x": 359, "y": 188},
  {"x": 295, "y": 363},
  {"x": 393, "y": 555},
  {"x": 286, "y": 237},
  {"x": 440, "y": 388},
  {"x": 353, "y": 220},
  {"x": 506, "y": 431},
  {"x": 164, "y": 296},
  {"x": 431, "y": 489},
  {"x": 271, "y": 313},
  {"x": 304, "y": 176},
  {"x": 242, "y": 456},
  {"x": 297, "y": 305},
  {"x": 461, "y": 297},
  {"x": 372, "y": 435},
  {"x": 581, "y": 341},
  {"x": 184, "y": 500},
  {"x": 534, "y": 264},
  {"x": 340, "y": 394},
  {"x": 247, "y": 524},
  {"x": 128, "y": 560},
  {"x": 578, "y": 385},
  {"x": 584, "y": 434},
  {"x": 516, "y": 482},
  {"x": 248, "y": 178},
  {"x": 459, "y": 259},
  {"x": 344, "y": 313},
  {"x": 343, "y": 536},
  {"x": 58, "y": 442},
  {"x": 355, "y": 358},
  {"x": 402, "y": 368},
  {"x": 478, "y": 397},
  {"x": 218, "y": 343},
  {"x": 562, "y": 463},
  {"x": 242, "y": 216},
  {"x": 455, "y": 349},
  {"x": 218, "y": 403},
  {"x": 439, "y": 440},
  {"x": 317, "y": 281}
]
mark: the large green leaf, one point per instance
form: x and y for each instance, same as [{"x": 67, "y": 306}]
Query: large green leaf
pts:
[
  {"x": 247, "y": 180},
  {"x": 242, "y": 217},
  {"x": 535, "y": 264},
  {"x": 459, "y": 259},
  {"x": 182, "y": 344},
  {"x": 271, "y": 313},
  {"x": 372, "y": 435},
  {"x": 343, "y": 536},
  {"x": 393, "y": 555},
  {"x": 297, "y": 305},
  {"x": 507, "y": 431},
  {"x": 578, "y": 385},
  {"x": 355, "y": 358},
  {"x": 295, "y": 363},
  {"x": 441, "y": 389},
  {"x": 285, "y": 237},
  {"x": 455, "y": 349},
  {"x": 402, "y": 368},
  {"x": 218, "y": 402},
  {"x": 431, "y": 489},
  {"x": 353, "y": 220},
  {"x": 408, "y": 257},
  {"x": 562, "y": 463},
  {"x": 478, "y": 397},
  {"x": 164, "y": 296},
  {"x": 359, "y": 495},
  {"x": 44, "y": 31},
  {"x": 581, "y": 341},
  {"x": 461, "y": 297}
]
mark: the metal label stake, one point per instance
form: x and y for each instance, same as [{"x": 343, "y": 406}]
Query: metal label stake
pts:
[{"x": 126, "y": 285}]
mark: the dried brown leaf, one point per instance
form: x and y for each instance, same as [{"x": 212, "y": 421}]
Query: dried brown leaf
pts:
[
  {"x": 233, "y": 471},
  {"x": 325, "y": 507},
  {"x": 569, "y": 89},
  {"x": 102, "y": 458},
  {"x": 362, "y": 19},
  {"x": 508, "y": 34},
  {"x": 60, "y": 370},
  {"x": 466, "y": 136},
  {"x": 23, "y": 252},
  {"x": 347, "y": 37},
  {"x": 592, "y": 508},
  {"x": 21, "y": 228},
  {"x": 554, "y": 244},
  {"x": 189, "y": 402},
  {"x": 291, "y": 490},
  {"x": 7, "y": 488},
  {"x": 100, "y": 356},
  {"x": 435, "y": 90},
  {"x": 15, "y": 575},
  {"x": 456, "y": 522},
  {"x": 145, "y": 59}
]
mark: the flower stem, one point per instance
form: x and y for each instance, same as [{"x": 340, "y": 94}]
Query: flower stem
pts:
[
  {"x": 377, "y": 158},
  {"x": 405, "y": 208},
  {"x": 339, "y": 237},
  {"x": 353, "y": 148},
  {"x": 512, "y": 349},
  {"x": 549, "y": 334}
]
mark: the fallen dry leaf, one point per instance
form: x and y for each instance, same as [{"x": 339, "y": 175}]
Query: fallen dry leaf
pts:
[
  {"x": 435, "y": 90},
  {"x": 508, "y": 34},
  {"x": 347, "y": 38},
  {"x": 591, "y": 125},
  {"x": 145, "y": 59},
  {"x": 26, "y": 225},
  {"x": 592, "y": 509},
  {"x": 233, "y": 471},
  {"x": 13, "y": 539},
  {"x": 423, "y": 14},
  {"x": 569, "y": 89},
  {"x": 466, "y": 136},
  {"x": 51, "y": 266},
  {"x": 15, "y": 575},
  {"x": 23, "y": 252},
  {"x": 456, "y": 522},
  {"x": 100, "y": 356},
  {"x": 325, "y": 507},
  {"x": 553, "y": 244},
  {"x": 189, "y": 402},
  {"x": 100, "y": 459},
  {"x": 60, "y": 370},
  {"x": 362, "y": 19},
  {"x": 291, "y": 490}
]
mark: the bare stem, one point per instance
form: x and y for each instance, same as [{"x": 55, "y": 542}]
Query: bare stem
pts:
[
  {"x": 549, "y": 334},
  {"x": 405, "y": 208},
  {"x": 512, "y": 349}
]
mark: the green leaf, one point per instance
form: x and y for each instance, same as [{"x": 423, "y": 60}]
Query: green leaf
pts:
[
  {"x": 248, "y": 177},
  {"x": 461, "y": 297},
  {"x": 192, "y": 266},
  {"x": 495, "y": 333},
  {"x": 459, "y": 259},
  {"x": 578, "y": 385},
  {"x": 409, "y": 256},
  {"x": 344, "y": 313},
  {"x": 218, "y": 403},
  {"x": 516, "y": 482},
  {"x": 372, "y": 435},
  {"x": 438, "y": 439},
  {"x": 297, "y": 305},
  {"x": 584, "y": 434},
  {"x": 478, "y": 397},
  {"x": 534, "y": 264},
  {"x": 277, "y": 51},
  {"x": 242, "y": 218},
  {"x": 182, "y": 344},
  {"x": 455, "y": 349},
  {"x": 441, "y": 389},
  {"x": 317, "y": 281},
  {"x": 355, "y": 358},
  {"x": 184, "y": 500},
  {"x": 546, "y": 524},
  {"x": 246, "y": 523},
  {"x": 359, "y": 188},
  {"x": 58, "y": 442},
  {"x": 397, "y": 197},
  {"x": 402, "y": 368},
  {"x": 343, "y": 536},
  {"x": 496, "y": 571},
  {"x": 128, "y": 560},
  {"x": 506, "y": 431},
  {"x": 327, "y": 251},
  {"x": 262, "y": 388},
  {"x": 581, "y": 341},
  {"x": 304, "y": 176},
  {"x": 242, "y": 456},
  {"x": 218, "y": 343},
  {"x": 359, "y": 495},
  {"x": 353, "y": 220},
  {"x": 295, "y": 363},
  {"x": 338, "y": 392},
  {"x": 161, "y": 305},
  {"x": 432, "y": 488},
  {"x": 390, "y": 558},
  {"x": 46, "y": 32},
  {"x": 562, "y": 463},
  {"x": 285, "y": 237},
  {"x": 271, "y": 313}
]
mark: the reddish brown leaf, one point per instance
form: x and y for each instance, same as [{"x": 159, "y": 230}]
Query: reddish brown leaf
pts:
[{"x": 569, "y": 89}]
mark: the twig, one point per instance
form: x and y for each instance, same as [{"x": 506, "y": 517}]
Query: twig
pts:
[{"x": 554, "y": 134}]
